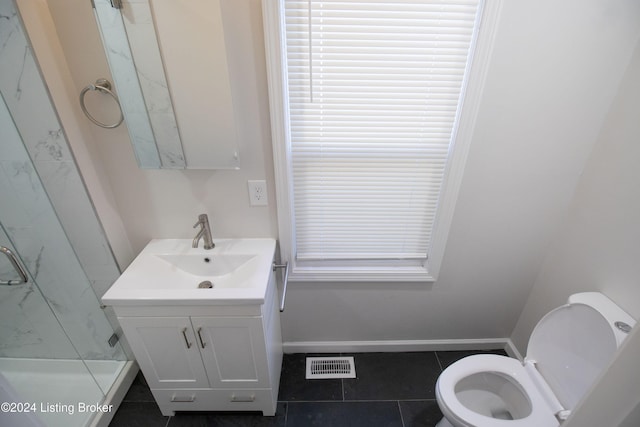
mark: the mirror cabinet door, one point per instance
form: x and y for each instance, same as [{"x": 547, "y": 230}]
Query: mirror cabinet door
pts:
[{"x": 178, "y": 105}]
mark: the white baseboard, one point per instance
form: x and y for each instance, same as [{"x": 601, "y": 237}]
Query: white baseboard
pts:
[
  {"x": 512, "y": 351},
  {"x": 398, "y": 346}
]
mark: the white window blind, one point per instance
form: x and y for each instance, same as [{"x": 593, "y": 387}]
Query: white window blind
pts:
[{"x": 374, "y": 92}]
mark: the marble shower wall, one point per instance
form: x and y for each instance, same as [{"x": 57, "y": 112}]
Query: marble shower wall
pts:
[
  {"x": 65, "y": 250},
  {"x": 28, "y": 326}
]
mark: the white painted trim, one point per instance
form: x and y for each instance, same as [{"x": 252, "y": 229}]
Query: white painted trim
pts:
[
  {"x": 512, "y": 351},
  {"x": 395, "y": 345},
  {"x": 274, "y": 46},
  {"x": 116, "y": 394},
  {"x": 360, "y": 274},
  {"x": 481, "y": 55}
]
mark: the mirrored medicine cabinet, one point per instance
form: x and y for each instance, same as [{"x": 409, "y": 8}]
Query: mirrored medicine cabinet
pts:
[{"x": 170, "y": 68}]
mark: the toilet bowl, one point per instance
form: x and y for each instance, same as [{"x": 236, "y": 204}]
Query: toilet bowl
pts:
[{"x": 567, "y": 350}]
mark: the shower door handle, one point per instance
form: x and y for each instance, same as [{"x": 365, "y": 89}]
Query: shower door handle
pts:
[{"x": 16, "y": 265}]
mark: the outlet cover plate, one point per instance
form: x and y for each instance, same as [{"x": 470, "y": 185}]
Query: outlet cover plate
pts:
[{"x": 258, "y": 192}]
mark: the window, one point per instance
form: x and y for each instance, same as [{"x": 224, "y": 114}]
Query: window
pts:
[{"x": 366, "y": 99}]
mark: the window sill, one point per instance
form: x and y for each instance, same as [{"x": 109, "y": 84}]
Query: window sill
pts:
[{"x": 360, "y": 274}]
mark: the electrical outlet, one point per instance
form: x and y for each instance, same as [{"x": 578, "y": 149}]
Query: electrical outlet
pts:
[{"x": 258, "y": 193}]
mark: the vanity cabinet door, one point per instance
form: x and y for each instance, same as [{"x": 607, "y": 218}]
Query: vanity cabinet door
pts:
[
  {"x": 167, "y": 351},
  {"x": 233, "y": 351}
]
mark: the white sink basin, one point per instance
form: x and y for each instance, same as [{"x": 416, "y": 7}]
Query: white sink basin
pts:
[
  {"x": 206, "y": 265},
  {"x": 170, "y": 271}
]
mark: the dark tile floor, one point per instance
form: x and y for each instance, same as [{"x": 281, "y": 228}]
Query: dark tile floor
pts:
[{"x": 391, "y": 390}]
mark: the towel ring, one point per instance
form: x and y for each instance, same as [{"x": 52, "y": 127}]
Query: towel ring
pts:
[{"x": 103, "y": 86}]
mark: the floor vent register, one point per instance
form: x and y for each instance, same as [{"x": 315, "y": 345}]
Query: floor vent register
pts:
[{"x": 330, "y": 368}]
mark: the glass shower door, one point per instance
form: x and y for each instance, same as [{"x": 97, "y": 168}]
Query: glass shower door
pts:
[
  {"x": 52, "y": 323},
  {"x": 58, "y": 350},
  {"x": 42, "y": 378}
]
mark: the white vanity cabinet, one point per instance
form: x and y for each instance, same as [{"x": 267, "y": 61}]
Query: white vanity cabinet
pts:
[{"x": 208, "y": 358}]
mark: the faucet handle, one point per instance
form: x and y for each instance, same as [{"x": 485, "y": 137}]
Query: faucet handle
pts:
[{"x": 202, "y": 220}]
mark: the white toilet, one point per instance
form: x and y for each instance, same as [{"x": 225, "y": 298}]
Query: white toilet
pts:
[{"x": 567, "y": 350}]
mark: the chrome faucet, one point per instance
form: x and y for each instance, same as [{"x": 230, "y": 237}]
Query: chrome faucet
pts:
[{"x": 204, "y": 233}]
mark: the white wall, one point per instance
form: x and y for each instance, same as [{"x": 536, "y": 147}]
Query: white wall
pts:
[
  {"x": 64, "y": 92},
  {"x": 166, "y": 203},
  {"x": 598, "y": 247},
  {"x": 554, "y": 73},
  {"x": 555, "y": 70}
]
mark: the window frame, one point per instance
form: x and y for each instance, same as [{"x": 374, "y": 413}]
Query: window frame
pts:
[{"x": 273, "y": 20}]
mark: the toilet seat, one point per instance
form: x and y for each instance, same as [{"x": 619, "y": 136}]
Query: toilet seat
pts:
[
  {"x": 541, "y": 414},
  {"x": 568, "y": 348}
]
